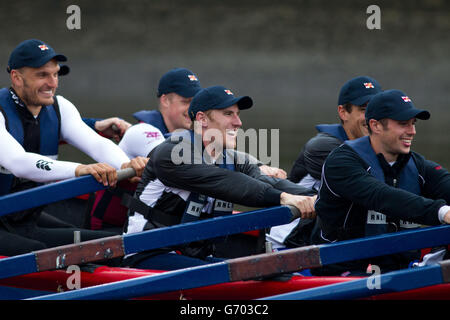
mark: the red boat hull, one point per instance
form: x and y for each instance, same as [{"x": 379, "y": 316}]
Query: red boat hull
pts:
[{"x": 55, "y": 281}]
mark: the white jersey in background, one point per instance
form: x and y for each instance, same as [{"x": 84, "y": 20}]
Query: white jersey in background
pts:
[
  {"x": 140, "y": 139},
  {"x": 278, "y": 234}
]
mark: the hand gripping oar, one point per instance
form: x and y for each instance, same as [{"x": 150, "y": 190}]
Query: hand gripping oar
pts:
[
  {"x": 264, "y": 265},
  {"x": 395, "y": 281},
  {"x": 54, "y": 192},
  {"x": 118, "y": 246}
]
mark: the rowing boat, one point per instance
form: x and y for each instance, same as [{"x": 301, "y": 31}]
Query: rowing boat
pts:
[
  {"x": 92, "y": 275},
  {"x": 33, "y": 275}
]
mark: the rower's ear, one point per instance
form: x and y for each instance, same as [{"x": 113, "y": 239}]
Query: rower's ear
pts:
[
  {"x": 164, "y": 101},
  {"x": 202, "y": 118},
  {"x": 16, "y": 78},
  {"x": 375, "y": 126},
  {"x": 342, "y": 112}
]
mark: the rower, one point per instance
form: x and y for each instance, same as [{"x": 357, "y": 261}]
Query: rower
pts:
[
  {"x": 376, "y": 184},
  {"x": 197, "y": 174},
  {"x": 176, "y": 88},
  {"x": 32, "y": 123},
  {"x": 307, "y": 169}
]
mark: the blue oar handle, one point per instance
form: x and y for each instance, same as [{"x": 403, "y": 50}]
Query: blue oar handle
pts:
[
  {"x": 294, "y": 211},
  {"x": 54, "y": 192}
]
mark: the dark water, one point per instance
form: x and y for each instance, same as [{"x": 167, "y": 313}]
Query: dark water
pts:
[{"x": 292, "y": 57}]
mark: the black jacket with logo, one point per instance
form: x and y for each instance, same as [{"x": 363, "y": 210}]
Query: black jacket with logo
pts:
[
  {"x": 168, "y": 179},
  {"x": 348, "y": 191}
]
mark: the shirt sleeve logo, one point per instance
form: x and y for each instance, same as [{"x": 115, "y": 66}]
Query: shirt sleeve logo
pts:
[
  {"x": 150, "y": 134},
  {"x": 44, "y": 165}
]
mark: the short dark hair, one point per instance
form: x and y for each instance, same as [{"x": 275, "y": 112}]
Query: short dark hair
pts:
[
  {"x": 384, "y": 123},
  {"x": 349, "y": 107}
]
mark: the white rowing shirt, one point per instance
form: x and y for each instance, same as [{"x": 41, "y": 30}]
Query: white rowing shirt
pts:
[{"x": 14, "y": 159}]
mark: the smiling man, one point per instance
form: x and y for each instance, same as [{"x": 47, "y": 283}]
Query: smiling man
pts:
[
  {"x": 176, "y": 88},
  {"x": 376, "y": 184},
  {"x": 33, "y": 120},
  {"x": 307, "y": 168},
  {"x": 198, "y": 174},
  {"x": 352, "y": 102}
]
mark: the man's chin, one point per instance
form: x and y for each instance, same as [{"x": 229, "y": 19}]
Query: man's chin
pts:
[
  {"x": 364, "y": 131},
  {"x": 230, "y": 144},
  {"x": 185, "y": 125},
  {"x": 45, "y": 101}
]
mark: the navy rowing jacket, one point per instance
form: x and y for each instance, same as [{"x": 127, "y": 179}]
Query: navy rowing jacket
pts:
[{"x": 349, "y": 191}]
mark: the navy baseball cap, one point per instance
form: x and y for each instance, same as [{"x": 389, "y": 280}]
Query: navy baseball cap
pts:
[
  {"x": 358, "y": 91},
  {"x": 393, "y": 104},
  {"x": 181, "y": 81},
  {"x": 34, "y": 53},
  {"x": 217, "y": 97}
]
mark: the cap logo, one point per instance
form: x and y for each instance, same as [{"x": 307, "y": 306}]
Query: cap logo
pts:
[
  {"x": 406, "y": 99},
  {"x": 192, "y": 77},
  {"x": 43, "y": 47},
  {"x": 369, "y": 85},
  {"x": 228, "y": 92}
]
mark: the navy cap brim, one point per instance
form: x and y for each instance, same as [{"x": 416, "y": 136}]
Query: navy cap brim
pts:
[
  {"x": 41, "y": 62},
  {"x": 244, "y": 102},
  {"x": 45, "y": 59},
  {"x": 187, "y": 92},
  {"x": 63, "y": 70},
  {"x": 60, "y": 57},
  {"x": 411, "y": 113},
  {"x": 362, "y": 100}
]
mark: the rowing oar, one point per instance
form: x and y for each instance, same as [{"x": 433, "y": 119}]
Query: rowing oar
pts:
[
  {"x": 118, "y": 246},
  {"x": 263, "y": 265},
  {"x": 54, "y": 192},
  {"x": 395, "y": 281}
]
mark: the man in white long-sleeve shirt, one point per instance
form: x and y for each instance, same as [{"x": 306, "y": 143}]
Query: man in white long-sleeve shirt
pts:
[{"x": 32, "y": 122}]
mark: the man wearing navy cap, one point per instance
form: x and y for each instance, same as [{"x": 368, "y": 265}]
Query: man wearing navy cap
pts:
[
  {"x": 307, "y": 169},
  {"x": 33, "y": 120},
  {"x": 198, "y": 174},
  {"x": 353, "y": 98},
  {"x": 376, "y": 184},
  {"x": 35, "y": 53},
  {"x": 175, "y": 91},
  {"x": 176, "y": 88}
]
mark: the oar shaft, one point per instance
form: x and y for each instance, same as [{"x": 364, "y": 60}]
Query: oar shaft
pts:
[
  {"x": 378, "y": 284},
  {"x": 54, "y": 192},
  {"x": 248, "y": 267},
  {"x": 126, "y": 173},
  {"x": 118, "y": 246}
]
